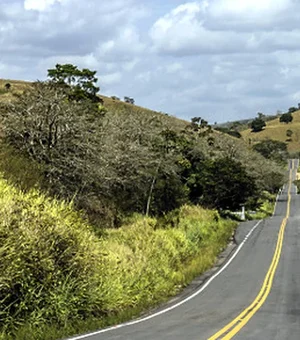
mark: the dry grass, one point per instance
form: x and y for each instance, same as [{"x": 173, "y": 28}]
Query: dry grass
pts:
[
  {"x": 18, "y": 86},
  {"x": 277, "y": 131}
]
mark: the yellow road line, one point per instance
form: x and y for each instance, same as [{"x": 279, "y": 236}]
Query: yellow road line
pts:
[{"x": 231, "y": 329}]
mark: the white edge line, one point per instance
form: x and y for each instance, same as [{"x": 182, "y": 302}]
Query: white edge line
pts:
[{"x": 131, "y": 323}]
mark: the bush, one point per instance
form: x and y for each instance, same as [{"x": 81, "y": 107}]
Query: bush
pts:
[
  {"x": 286, "y": 118},
  {"x": 258, "y": 124}
]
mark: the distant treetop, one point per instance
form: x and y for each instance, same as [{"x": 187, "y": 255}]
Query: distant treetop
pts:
[
  {"x": 286, "y": 118},
  {"x": 80, "y": 83},
  {"x": 257, "y": 124}
]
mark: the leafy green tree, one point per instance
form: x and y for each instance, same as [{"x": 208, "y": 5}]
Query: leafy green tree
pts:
[
  {"x": 272, "y": 149},
  {"x": 286, "y": 118},
  {"x": 80, "y": 84},
  {"x": 258, "y": 124},
  {"x": 292, "y": 109},
  {"x": 226, "y": 184}
]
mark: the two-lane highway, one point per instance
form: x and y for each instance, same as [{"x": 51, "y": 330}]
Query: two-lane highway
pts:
[{"x": 256, "y": 295}]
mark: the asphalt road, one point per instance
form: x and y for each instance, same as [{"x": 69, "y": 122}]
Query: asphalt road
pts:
[{"x": 262, "y": 282}]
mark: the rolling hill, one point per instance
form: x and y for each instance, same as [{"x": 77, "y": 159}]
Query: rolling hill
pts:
[
  {"x": 277, "y": 131},
  {"x": 18, "y": 86}
]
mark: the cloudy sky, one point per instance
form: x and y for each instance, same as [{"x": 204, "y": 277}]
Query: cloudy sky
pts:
[{"x": 218, "y": 59}]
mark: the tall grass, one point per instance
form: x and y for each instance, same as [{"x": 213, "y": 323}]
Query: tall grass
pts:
[
  {"x": 58, "y": 278},
  {"x": 50, "y": 262}
]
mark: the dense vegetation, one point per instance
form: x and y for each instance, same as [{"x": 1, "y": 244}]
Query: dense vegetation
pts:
[
  {"x": 138, "y": 177},
  {"x": 112, "y": 164},
  {"x": 273, "y": 149}
]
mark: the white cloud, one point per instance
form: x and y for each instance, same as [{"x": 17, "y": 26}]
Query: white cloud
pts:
[
  {"x": 110, "y": 79},
  {"x": 126, "y": 47},
  {"x": 174, "y": 67},
  {"x": 227, "y": 26},
  {"x": 182, "y": 31},
  {"x": 248, "y": 8},
  {"x": 221, "y": 59},
  {"x": 39, "y": 5}
]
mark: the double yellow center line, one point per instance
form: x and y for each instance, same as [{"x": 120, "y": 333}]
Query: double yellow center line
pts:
[{"x": 231, "y": 329}]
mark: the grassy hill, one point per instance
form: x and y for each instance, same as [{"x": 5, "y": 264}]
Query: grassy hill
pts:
[
  {"x": 19, "y": 86},
  {"x": 277, "y": 131}
]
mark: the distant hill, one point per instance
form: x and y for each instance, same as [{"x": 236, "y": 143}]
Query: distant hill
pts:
[
  {"x": 277, "y": 131},
  {"x": 243, "y": 124}
]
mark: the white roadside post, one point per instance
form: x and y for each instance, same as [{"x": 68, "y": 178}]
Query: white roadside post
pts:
[{"x": 243, "y": 216}]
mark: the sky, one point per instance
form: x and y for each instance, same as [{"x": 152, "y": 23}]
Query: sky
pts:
[{"x": 221, "y": 60}]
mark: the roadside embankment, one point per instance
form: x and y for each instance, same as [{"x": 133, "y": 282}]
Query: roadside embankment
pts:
[{"x": 58, "y": 278}]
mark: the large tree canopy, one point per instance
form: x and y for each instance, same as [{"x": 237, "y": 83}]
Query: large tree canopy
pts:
[
  {"x": 80, "y": 83},
  {"x": 226, "y": 184}
]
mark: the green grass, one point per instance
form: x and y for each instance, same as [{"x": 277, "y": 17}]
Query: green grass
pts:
[
  {"x": 58, "y": 278},
  {"x": 266, "y": 209}
]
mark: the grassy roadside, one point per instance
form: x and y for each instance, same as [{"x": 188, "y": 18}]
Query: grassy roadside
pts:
[
  {"x": 60, "y": 279},
  {"x": 266, "y": 208}
]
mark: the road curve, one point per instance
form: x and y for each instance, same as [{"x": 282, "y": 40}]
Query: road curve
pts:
[{"x": 255, "y": 296}]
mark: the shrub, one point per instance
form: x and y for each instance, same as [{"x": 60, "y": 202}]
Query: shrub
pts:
[
  {"x": 258, "y": 124},
  {"x": 286, "y": 118}
]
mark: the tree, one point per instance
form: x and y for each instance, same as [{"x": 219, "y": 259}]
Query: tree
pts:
[
  {"x": 198, "y": 128},
  {"x": 226, "y": 184},
  {"x": 292, "y": 109},
  {"x": 286, "y": 118},
  {"x": 7, "y": 86},
  {"x": 272, "y": 149},
  {"x": 129, "y": 100},
  {"x": 115, "y": 98},
  {"x": 59, "y": 134},
  {"x": 79, "y": 84},
  {"x": 257, "y": 124},
  {"x": 261, "y": 115}
]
